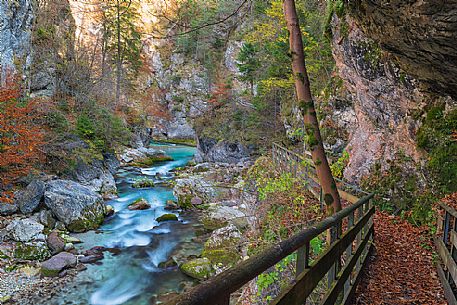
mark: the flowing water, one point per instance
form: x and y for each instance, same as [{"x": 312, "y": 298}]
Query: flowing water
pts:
[{"x": 132, "y": 275}]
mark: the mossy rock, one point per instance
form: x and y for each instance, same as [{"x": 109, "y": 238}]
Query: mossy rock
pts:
[
  {"x": 5, "y": 299},
  {"x": 139, "y": 204},
  {"x": 37, "y": 252},
  {"x": 200, "y": 169},
  {"x": 227, "y": 238},
  {"x": 222, "y": 256},
  {"x": 212, "y": 224},
  {"x": 185, "y": 201},
  {"x": 167, "y": 217},
  {"x": 86, "y": 224},
  {"x": 143, "y": 183},
  {"x": 150, "y": 161},
  {"x": 199, "y": 268}
]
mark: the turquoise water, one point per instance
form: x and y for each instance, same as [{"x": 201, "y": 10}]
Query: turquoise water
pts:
[{"x": 132, "y": 276}]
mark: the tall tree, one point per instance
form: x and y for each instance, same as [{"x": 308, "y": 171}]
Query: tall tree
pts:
[
  {"x": 123, "y": 39},
  {"x": 248, "y": 64},
  {"x": 306, "y": 104}
]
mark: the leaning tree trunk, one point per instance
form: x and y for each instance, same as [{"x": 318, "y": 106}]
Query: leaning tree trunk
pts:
[
  {"x": 306, "y": 104},
  {"x": 119, "y": 58}
]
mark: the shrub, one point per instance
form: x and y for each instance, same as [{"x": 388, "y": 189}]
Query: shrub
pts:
[
  {"x": 102, "y": 128},
  {"x": 436, "y": 138},
  {"x": 20, "y": 136}
]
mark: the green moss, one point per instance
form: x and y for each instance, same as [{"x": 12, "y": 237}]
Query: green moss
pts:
[
  {"x": 222, "y": 256},
  {"x": 139, "y": 204},
  {"x": 49, "y": 272},
  {"x": 372, "y": 52},
  {"x": 211, "y": 224},
  {"x": 143, "y": 183},
  {"x": 25, "y": 251},
  {"x": 5, "y": 299},
  {"x": 200, "y": 169},
  {"x": 44, "y": 33},
  {"x": 185, "y": 201},
  {"x": 199, "y": 268},
  {"x": 167, "y": 217},
  {"x": 89, "y": 221},
  {"x": 436, "y": 138}
]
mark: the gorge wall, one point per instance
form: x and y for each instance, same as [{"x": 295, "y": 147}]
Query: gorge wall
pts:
[
  {"x": 396, "y": 59},
  {"x": 16, "y": 19}
]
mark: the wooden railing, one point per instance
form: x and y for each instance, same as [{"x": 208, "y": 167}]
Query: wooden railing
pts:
[
  {"x": 351, "y": 232},
  {"x": 351, "y": 237},
  {"x": 446, "y": 246},
  {"x": 301, "y": 165}
]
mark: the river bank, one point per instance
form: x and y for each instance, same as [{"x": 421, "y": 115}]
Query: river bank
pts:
[
  {"x": 192, "y": 214},
  {"x": 136, "y": 230}
]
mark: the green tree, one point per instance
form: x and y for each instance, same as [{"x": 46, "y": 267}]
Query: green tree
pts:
[
  {"x": 122, "y": 39},
  {"x": 248, "y": 64}
]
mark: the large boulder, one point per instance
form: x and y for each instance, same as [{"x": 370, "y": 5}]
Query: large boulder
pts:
[
  {"x": 211, "y": 150},
  {"x": 224, "y": 238},
  {"x": 186, "y": 189},
  {"x": 222, "y": 247},
  {"x": 29, "y": 199},
  {"x": 77, "y": 206},
  {"x": 57, "y": 263},
  {"x": 221, "y": 214},
  {"x": 97, "y": 176},
  {"x": 25, "y": 230},
  {"x": 142, "y": 155}
]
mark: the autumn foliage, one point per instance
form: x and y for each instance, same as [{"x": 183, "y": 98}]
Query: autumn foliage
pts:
[
  {"x": 220, "y": 94},
  {"x": 20, "y": 136}
]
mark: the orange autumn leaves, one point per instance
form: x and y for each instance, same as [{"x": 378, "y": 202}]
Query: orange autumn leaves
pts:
[{"x": 20, "y": 136}]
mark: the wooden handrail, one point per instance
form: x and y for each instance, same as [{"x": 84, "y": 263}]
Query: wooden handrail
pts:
[
  {"x": 339, "y": 181},
  {"x": 217, "y": 290},
  {"x": 446, "y": 247}
]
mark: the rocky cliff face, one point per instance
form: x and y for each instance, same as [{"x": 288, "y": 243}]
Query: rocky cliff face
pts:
[
  {"x": 420, "y": 34},
  {"x": 184, "y": 89},
  {"x": 16, "y": 18},
  {"x": 393, "y": 72}
]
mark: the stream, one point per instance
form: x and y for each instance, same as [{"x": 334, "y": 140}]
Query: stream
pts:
[{"x": 132, "y": 275}]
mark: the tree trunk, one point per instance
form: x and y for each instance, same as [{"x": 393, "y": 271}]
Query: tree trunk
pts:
[
  {"x": 306, "y": 104},
  {"x": 118, "y": 60}
]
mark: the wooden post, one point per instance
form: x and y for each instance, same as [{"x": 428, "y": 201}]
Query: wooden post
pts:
[
  {"x": 446, "y": 228},
  {"x": 347, "y": 284},
  {"x": 334, "y": 269},
  {"x": 302, "y": 259}
]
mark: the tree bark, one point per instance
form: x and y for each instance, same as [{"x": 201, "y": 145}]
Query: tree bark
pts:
[
  {"x": 306, "y": 104},
  {"x": 118, "y": 61}
]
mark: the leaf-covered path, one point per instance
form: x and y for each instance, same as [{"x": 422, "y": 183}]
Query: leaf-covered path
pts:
[{"x": 401, "y": 269}]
